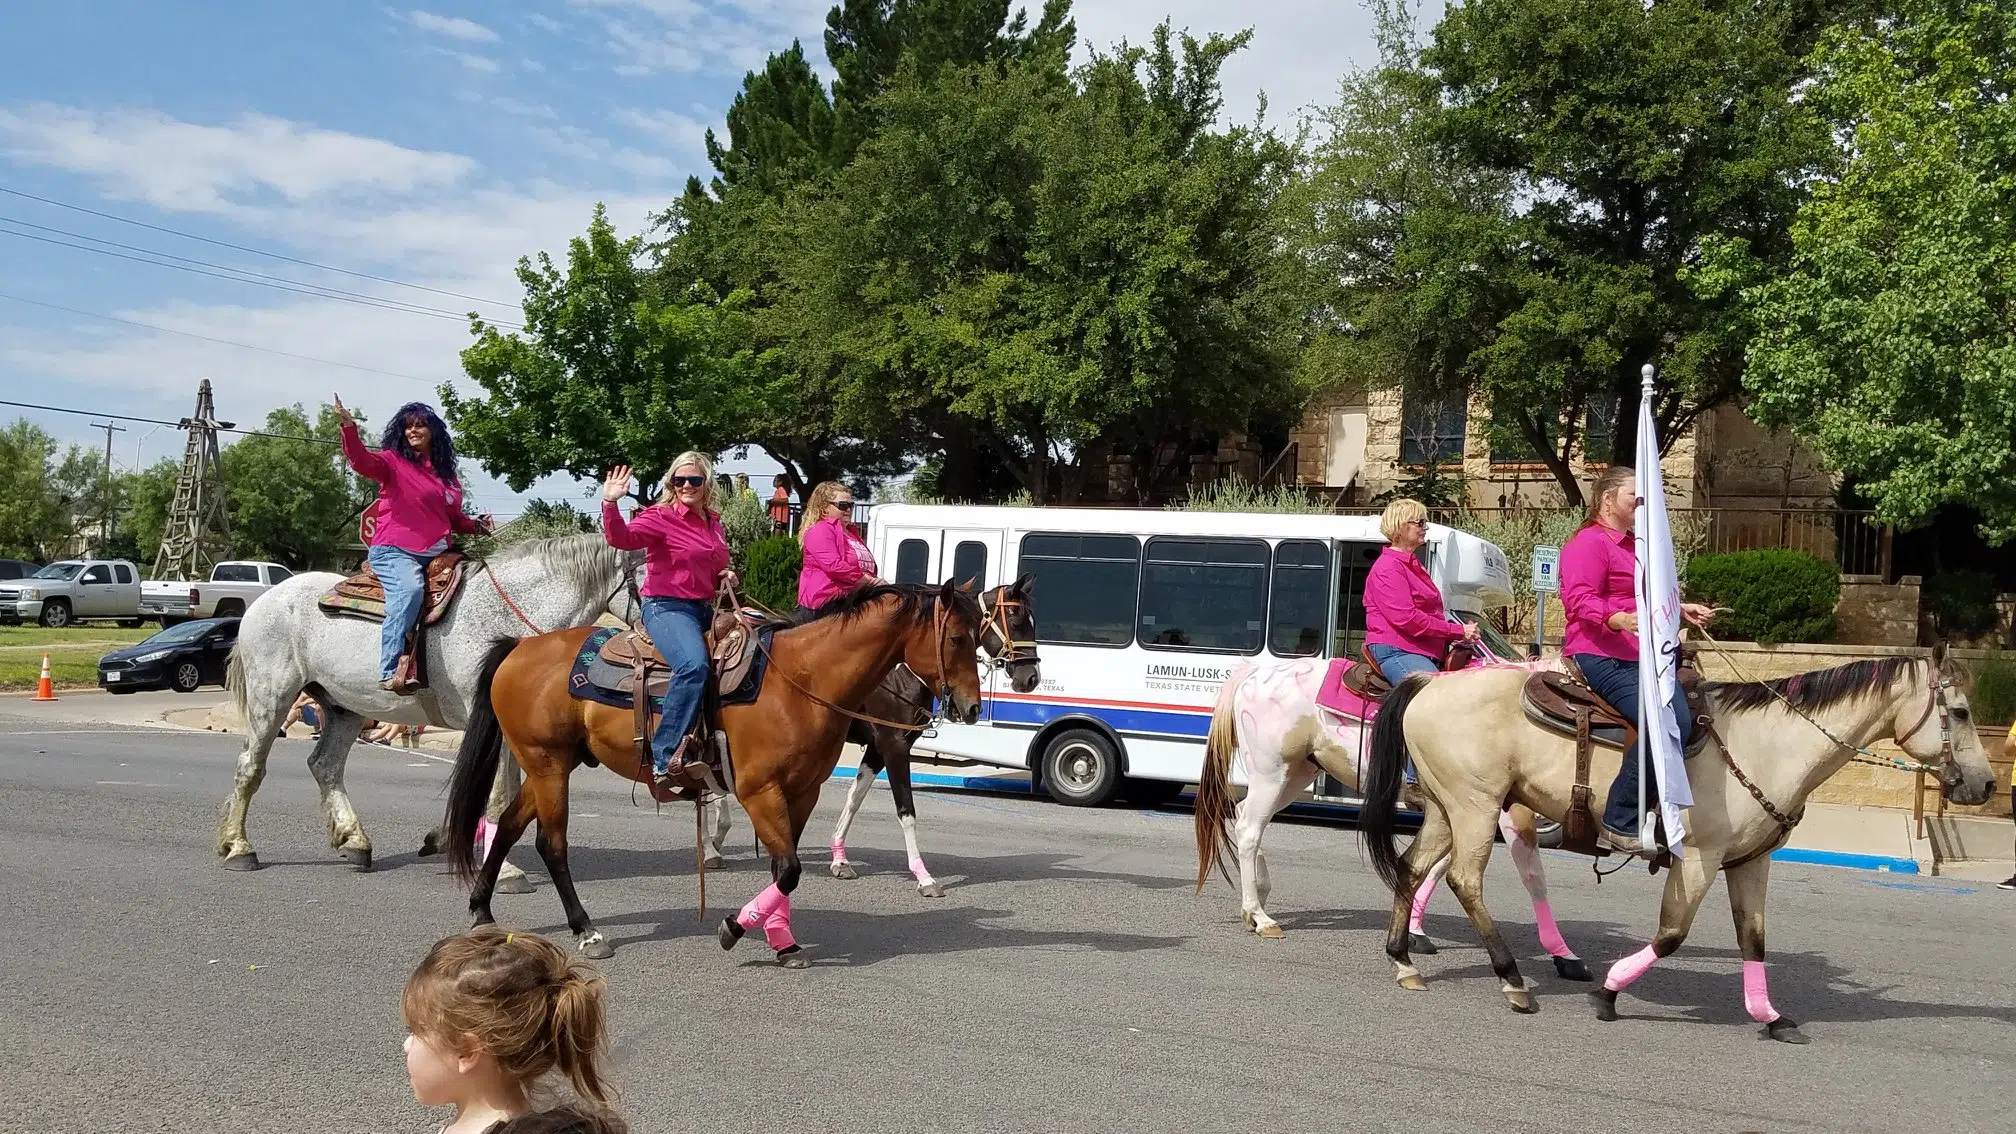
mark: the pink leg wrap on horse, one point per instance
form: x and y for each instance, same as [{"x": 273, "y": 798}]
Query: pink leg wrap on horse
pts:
[
  {"x": 485, "y": 831},
  {"x": 1421, "y": 895},
  {"x": 771, "y": 908},
  {"x": 1755, "y": 996},
  {"x": 839, "y": 850},
  {"x": 917, "y": 868},
  {"x": 1630, "y": 969},
  {"x": 1550, "y": 933}
]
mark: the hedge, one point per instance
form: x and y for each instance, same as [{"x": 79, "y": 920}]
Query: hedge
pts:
[
  {"x": 1994, "y": 698},
  {"x": 770, "y": 572},
  {"x": 1772, "y": 596}
]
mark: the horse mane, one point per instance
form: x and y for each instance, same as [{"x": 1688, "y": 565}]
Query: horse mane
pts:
[
  {"x": 1811, "y": 692},
  {"x": 583, "y": 555},
  {"x": 913, "y": 601}
]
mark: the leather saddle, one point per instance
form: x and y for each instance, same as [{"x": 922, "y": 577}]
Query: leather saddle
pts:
[
  {"x": 1363, "y": 678},
  {"x": 363, "y": 596}
]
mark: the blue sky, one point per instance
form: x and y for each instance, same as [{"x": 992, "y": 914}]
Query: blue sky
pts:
[{"x": 431, "y": 146}]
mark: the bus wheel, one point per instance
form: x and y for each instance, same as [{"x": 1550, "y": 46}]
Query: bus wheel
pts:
[{"x": 1081, "y": 769}]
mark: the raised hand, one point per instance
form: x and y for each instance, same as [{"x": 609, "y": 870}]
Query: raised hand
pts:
[
  {"x": 343, "y": 415},
  {"x": 616, "y": 485}
]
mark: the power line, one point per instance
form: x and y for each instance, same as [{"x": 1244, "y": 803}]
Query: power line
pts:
[
  {"x": 221, "y": 342},
  {"x": 254, "y": 251},
  {"x": 221, "y": 427}
]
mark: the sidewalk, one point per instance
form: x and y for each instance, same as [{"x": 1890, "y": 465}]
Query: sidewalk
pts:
[{"x": 1865, "y": 838}]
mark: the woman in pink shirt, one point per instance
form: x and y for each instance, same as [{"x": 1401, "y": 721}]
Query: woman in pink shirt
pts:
[
  {"x": 836, "y": 562},
  {"x": 1406, "y": 628},
  {"x": 1599, "y": 569},
  {"x": 685, "y": 559},
  {"x": 420, "y": 505}
]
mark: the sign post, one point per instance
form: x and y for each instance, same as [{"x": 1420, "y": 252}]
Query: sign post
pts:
[{"x": 1546, "y": 581}]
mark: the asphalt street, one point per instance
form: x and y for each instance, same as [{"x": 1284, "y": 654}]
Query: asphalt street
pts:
[{"x": 1069, "y": 981}]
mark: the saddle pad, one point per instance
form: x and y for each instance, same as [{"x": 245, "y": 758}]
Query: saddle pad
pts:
[
  {"x": 1334, "y": 696},
  {"x": 593, "y": 679},
  {"x": 363, "y": 596}
]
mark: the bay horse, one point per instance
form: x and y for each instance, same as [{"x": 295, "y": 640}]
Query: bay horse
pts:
[
  {"x": 783, "y": 745},
  {"x": 287, "y": 643},
  {"x": 1770, "y": 745},
  {"x": 1267, "y": 718}
]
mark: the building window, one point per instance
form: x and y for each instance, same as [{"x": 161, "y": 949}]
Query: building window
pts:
[
  {"x": 1509, "y": 444},
  {"x": 1203, "y": 594},
  {"x": 913, "y": 561},
  {"x": 1300, "y": 606},
  {"x": 1089, "y": 584},
  {"x": 1601, "y": 431},
  {"x": 1431, "y": 429},
  {"x": 969, "y": 564}
]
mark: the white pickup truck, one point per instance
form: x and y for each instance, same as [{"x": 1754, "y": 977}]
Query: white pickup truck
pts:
[
  {"x": 73, "y": 589},
  {"x": 228, "y": 591}
]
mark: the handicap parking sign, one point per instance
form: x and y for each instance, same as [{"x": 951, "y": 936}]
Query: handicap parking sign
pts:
[{"x": 1546, "y": 569}]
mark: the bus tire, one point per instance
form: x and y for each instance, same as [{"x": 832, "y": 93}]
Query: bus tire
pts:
[{"x": 1081, "y": 768}]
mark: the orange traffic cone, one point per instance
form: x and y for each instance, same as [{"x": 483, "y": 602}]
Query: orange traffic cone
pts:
[{"x": 44, "y": 691}]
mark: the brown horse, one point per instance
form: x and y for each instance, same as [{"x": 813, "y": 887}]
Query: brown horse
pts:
[{"x": 784, "y": 744}]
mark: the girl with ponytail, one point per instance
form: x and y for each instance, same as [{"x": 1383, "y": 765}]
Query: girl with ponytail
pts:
[{"x": 493, "y": 1015}]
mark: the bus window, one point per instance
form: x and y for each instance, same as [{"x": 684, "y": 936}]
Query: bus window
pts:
[
  {"x": 1088, "y": 584},
  {"x": 1301, "y": 598},
  {"x": 1354, "y": 562},
  {"x": 913, "y": 561},
  {"x": 969, "y": 564},
  {"x": 1203, "y": 594}
]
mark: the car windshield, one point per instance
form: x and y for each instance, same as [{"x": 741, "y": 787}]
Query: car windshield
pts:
[
  {"x": 59, "y": 571},
  {"x": 1494, "y": 641},
  {"x": 186, "y": 632}
]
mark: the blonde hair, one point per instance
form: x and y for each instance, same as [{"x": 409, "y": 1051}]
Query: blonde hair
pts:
[
  {"x": 521, "y": 999},
  {"x": 1398, "y": 515},
  {"x": 815, "y": 505},
  {"x": 1608, "y": 481},
  {"x": 690, "y": 457}
]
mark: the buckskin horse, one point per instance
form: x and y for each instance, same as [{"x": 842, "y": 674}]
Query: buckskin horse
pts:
[
  {"x": 1769, "y": 745},
  {"x": 783, "y": 745},
  {"x": 287, "y": 643}
]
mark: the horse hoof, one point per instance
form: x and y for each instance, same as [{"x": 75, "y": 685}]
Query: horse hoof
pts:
[
  {"x": 792, "y": 958},
  {"x": 359, "y": 859},
  {"x": 1521, "y": 1001},
  {"x": 1785, "y": 1031},
  {"x": 1271, "y": 932},
  {"x": 1419, "y": 945},
  {"x": 730, "y": 932},
  {"x": 714, "y": 862},
  {"x": 1572, "y": 968},
  {"x": 430, "y": 846},
  {"x": 1605, "y": 1002},
  {"x": 845, "y": 870},
  {"x": 1412, "y": 982},
  {"x": 247, "y": 861},
  {"x": 930, "y": 890},
  {"x": 596, "y": 947}
]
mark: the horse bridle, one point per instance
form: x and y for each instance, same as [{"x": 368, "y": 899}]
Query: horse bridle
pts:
[
  {"x": 1935, "y": 700},
  {"x": 997, "y": 621}
]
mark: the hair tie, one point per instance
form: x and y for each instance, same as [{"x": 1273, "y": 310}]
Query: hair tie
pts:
[{"x": 509, "y": 938}]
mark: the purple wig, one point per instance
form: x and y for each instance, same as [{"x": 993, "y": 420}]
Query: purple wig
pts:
[{"x": 440, "y": 453}]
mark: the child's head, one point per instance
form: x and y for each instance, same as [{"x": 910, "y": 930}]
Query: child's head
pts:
[{"x": 487, "y": 1003}]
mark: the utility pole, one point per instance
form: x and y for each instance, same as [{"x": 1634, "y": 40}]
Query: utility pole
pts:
[
  {"x": 105, "y": 485},
  {"x": 199, "y": 530}
]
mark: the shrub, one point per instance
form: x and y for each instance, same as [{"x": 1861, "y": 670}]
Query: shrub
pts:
[
  {"x": 1773, "y": 596},
  {"x": 770, "y": 572},
  {"x": 1963, "y": 602},
  {"x": 745, "y": 520},
  {"x": 1994, "y": 696},
  {"x": 1233, "y": 495}
]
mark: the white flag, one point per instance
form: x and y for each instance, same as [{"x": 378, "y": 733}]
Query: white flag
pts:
[{"x": 1658, "y": 594}]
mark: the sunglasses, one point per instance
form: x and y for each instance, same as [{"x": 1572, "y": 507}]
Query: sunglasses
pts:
[
  {"x": 687, "y": 481},
  {"x": 849, "y": 504}
]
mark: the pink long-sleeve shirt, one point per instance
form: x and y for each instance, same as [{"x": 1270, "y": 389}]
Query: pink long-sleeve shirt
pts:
[
  {"x": 685, "y": 549},
  {"x": 835, "y": 562},
  {"x": 1599, "y": 567},
  {"x": 416, "y": 511},
  {"x": 1404, "y": 609}
]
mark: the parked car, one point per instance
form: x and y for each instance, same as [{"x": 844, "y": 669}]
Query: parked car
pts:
[
  {"x": 17, "y": 568},
  {"x": 183, "y": 658},
  {"x": 226, "y": 594},
  {"x": 73, "y": 589}
]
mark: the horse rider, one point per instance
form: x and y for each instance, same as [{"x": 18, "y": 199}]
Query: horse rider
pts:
[
  {"x": 1406, "y": 628},
  {"x": 1599, "y": 564},
  {"x": 836, "y": 561},
  {"x": 420, "y": 506},
  {"x": 685, "y": 562}
]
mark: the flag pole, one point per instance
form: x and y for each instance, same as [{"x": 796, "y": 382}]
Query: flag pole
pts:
[{"x": 1646, "y": 707}]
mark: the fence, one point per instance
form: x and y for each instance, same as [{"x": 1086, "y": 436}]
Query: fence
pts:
[{"x": 1844, "y": 537}]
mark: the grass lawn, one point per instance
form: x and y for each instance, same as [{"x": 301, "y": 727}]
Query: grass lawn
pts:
[{"x": 73, "y": 653}]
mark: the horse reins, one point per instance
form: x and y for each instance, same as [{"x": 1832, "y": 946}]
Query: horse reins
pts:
[{"x": 939, "y": 616}]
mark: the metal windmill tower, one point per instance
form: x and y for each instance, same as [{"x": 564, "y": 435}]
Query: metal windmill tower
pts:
[{"x": 199, "y": 530}]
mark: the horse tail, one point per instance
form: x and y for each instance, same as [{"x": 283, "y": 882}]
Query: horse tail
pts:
[
  {"x": 1378, "y": 816},
  {"x": 234, "y": 680},
  {"x": 475, "y": 769},
  {"x": 1214, "y": 795}
]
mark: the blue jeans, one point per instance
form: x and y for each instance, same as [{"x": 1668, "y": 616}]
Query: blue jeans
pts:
[
  {"x": 1397, "y": 663},
  {"x": 404, "y": 575},
  {"x": 678, "y": 627},
  {"x": 1617, "y": 682}
]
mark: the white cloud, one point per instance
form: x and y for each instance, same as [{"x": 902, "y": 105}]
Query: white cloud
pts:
[
  {"x": 148, "y": 156},
  {"x": 682, "y": 133},
  {"x": 476, "y": 62},
  {"x": 454, "y": 27},
  {"x": 717, "y": 36}
]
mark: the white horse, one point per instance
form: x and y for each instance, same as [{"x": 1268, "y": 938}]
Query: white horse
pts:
[
  {"x": 287, "y": 643},
  {"x": 1267, "y": 715}
]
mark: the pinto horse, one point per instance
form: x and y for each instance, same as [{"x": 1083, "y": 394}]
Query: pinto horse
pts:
[{"x": 784, "y": 744}]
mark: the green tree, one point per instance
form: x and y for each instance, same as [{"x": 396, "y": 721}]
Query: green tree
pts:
[
  {"x": 35, "y": 520},
  {"x": 1890, "y": 344},
  {"x": 293, "y": 500},
  {"x": 149, "y": 494}
]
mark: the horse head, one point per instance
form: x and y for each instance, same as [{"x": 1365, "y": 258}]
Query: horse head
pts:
[
  {"x": 1009, "y": 632},
  {"x": 1935, "y": 725},
  {"x": 943, "y": 647}
]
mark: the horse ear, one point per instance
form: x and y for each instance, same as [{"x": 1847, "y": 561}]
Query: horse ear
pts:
[
  {"x": 1025, "y": 584},
  {"x": 948, "y": 591},
  {"x": 969, "y": 585},
  {"x": 1939, "y": 656}
]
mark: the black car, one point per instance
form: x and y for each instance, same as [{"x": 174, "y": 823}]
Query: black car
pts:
[
  {"x": 17, "y": 568},
  {"x": 182, "y": 657}
]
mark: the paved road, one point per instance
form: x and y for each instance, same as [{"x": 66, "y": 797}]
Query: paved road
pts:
[{"x": 1069, "y": 982}]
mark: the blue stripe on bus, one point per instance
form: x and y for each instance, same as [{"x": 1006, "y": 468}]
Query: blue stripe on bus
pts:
[{"x": 1180, "y": 725}]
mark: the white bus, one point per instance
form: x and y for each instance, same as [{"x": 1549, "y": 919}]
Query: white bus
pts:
[{"x": 1141, "y": 615}]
